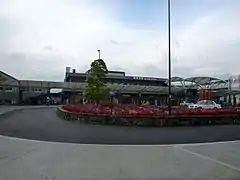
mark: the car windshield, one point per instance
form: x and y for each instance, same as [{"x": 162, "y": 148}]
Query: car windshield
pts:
[
  {"x": 211, "y": 103},
  {"x": 202, "y": 102}
]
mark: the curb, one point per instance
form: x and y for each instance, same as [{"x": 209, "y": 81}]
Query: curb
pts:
[
  {"x": 107, "y": 119},
  {"x": 170, "y": 121}
]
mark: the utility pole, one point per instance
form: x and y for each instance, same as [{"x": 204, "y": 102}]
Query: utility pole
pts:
[
  {"x": 169, "y": 59},
  {"x": 99, "y": 54}
]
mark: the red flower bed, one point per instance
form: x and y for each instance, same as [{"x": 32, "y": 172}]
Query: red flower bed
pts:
[
  {"x": 198, "y": 112},
  {"x": 122, "y": 110},
  {"x": 145, "y": 111}
]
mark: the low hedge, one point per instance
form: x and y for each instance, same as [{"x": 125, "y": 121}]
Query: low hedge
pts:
[
  {"x": 146, "y": 111},
  {"x": 107, "y": 119},
  {"x": 150, "y": 121},
  {"x": 203, "y": 120}
]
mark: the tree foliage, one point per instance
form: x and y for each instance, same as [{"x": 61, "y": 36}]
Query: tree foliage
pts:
[{"x": 96, "y": 89}]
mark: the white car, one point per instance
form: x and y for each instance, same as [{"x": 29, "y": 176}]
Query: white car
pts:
[
  {"x": 184, "y": 103},
  {"x": 205, "y": 104}
]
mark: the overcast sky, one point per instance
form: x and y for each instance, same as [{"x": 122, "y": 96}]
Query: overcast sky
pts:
[{"x": 39, "y": 38}]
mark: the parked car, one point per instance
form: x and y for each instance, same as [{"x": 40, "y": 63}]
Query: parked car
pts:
[{"x": 205, "y": 104}]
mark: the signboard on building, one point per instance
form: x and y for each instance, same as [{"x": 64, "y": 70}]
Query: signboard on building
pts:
[
  {"x": 146, "y": 78},
  {"x": 112, "y": 93}
]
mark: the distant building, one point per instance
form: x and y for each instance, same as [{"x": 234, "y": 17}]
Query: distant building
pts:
[{"x": 11, "y": 92}]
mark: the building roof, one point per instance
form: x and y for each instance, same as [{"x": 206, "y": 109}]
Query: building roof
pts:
[
  {"x": 6, "y": 78},
  {"x": 200, "y": 82},
  {"x": 194, "y": 83},
  {"x": 118, "y": 76},
  {"x": 204, "y": 80}
]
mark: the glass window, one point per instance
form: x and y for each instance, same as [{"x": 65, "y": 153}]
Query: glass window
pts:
[
  {"x": 8, "y": 101},
  {"x": 211, "y": 102},
  {"x": 25, "y": 89},
  {"x": 9, "y": 89},
  {"x": 201, "y": 102}
]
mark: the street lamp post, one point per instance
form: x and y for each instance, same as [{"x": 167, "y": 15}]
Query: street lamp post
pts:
[
  {"x": 169, "y": 59},
  {"x": 98, "y": 54}
]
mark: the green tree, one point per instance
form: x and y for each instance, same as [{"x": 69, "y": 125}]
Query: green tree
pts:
[{"x": 96, "y": 89}]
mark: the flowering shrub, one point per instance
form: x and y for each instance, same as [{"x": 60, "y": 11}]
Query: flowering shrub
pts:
[
  {"x": 145, "y": 111},
  {"x": 132, "y": 115},
  {"x": 199, "y": 112}
]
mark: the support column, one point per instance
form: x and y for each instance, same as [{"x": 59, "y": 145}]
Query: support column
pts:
[
  {"x": 225, "y": 98},
  {"x": 48, "y": 91},
  {"x": 20, "y": 95},
  {"x": 234, "y": 100},
  {"x": 139, "y": 98}
]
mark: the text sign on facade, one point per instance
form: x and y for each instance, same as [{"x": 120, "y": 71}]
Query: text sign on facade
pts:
[
  {"x": 112, "y": 93},
  {"x": 146, "y": 78}
]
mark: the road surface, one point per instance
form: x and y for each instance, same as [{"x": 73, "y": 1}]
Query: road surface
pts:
[
  {"x": 41, "y": 160},
  {"x": 44, "y": 124}
]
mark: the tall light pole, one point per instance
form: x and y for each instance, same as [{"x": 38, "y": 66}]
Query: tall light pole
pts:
[
  {"x": 169, "y": 59},
  {"x": 99, "y": 54}
]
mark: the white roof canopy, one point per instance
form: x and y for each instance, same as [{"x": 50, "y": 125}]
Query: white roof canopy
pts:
[{"x": 200, "y": 82}]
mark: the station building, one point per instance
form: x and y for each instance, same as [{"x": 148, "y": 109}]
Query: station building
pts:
[
  {"x": 153, "y": 90},
  {"x": 126, "y": 89}
]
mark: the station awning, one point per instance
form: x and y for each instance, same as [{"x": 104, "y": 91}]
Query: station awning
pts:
[{"x": 200, "y": 82}]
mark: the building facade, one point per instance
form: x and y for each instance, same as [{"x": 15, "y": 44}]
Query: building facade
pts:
[
  {"x": 10, "y": 95},
  {"x": 125, "y": 89},
  {"x": 144, "y": 94}
]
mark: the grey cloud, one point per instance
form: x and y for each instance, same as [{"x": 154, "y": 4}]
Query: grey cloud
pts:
[
  {"x": 115, "y": 42},
  {"x": 48, "y": 48},
  {"x": 146, "y": 70},
  {"x": 30, "y": 66},
  {"x": 225, "y": 76},
  {"x": 223, "y": 58}
]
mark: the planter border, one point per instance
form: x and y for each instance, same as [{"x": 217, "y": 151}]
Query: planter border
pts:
[{"x": 191, "y": 120}]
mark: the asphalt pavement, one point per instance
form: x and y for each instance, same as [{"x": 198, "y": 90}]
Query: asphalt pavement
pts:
[
  {"x": 44, "y": 125},
  {"x": 40, "y": 160}
]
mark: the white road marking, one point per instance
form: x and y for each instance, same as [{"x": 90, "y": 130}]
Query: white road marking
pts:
[
  {"x": 208, "y": 158},
  {"x": 119, "y": 145}
]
